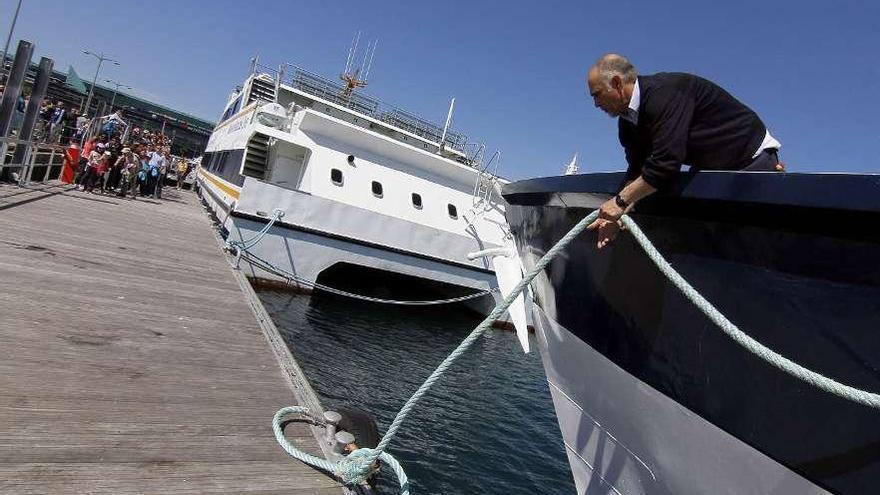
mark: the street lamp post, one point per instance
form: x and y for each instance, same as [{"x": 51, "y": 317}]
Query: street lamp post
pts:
[
  {"x": 117, "y": 85},
  {"x": 101, "y": 58},
  {"x": 8, "y": 39}
]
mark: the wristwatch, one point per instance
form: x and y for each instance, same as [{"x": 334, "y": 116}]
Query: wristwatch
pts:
[{"x": 620, "y": 202}]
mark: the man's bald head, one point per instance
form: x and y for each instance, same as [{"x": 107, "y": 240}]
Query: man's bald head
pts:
[
  {"x": 612, "y": 64},
  {"x": 610, "y": 81}
]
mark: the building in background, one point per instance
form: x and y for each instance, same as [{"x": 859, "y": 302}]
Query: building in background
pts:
[{"x": 189, "y": 134}]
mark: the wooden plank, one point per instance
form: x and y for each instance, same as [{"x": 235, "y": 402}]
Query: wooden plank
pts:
[{"x": 133, "y": 361}]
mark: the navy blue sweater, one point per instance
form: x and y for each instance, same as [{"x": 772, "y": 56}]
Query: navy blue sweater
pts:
[{"x": 685, "y": 119}]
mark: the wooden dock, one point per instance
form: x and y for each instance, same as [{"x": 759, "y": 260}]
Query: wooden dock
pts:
[{"x": 132, "y": 359}]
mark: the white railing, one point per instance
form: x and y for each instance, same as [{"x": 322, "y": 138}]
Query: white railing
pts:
[
  {"x": 40, "y": 157},
  {"x": 369, "y": 106}
]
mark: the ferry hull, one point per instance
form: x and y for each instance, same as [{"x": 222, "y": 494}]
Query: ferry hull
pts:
[
  {"x": 652, "y": 397},
  {"x": 316, "y": 234}
]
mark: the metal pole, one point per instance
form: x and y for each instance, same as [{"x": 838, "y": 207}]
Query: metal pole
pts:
[
  {"x": 49, "y": 165},
  {"x": 92, "y": 87},
  {"x": 10, "y": 95},
  {"x": 13, "y": 88},
  {"x": 22, "y": 178},
  {"x": 96, "y": 129},
  {"x": 446, "y": 126},
  {"x": 117, "y": 85},
  {"x": 26, "y": 173},
  {"x": 101, "y": 58},
  {"x": 41, "y": 84},
  {"x": 8, "y": 39}
]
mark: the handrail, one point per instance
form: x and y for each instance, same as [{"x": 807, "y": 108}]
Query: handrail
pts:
[
  {"x": 29, "y": 159},
  {"x": 322, "y": 87}
]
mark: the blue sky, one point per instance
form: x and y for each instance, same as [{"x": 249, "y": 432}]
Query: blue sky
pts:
[{"x": 516, "y": 69}]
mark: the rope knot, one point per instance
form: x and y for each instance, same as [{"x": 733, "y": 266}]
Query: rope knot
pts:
[{"x": 355, "y": 468}]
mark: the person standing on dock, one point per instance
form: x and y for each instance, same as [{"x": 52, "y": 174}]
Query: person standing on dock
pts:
[
  {"x": 182, "y": 169},
  {"x": 129, "y": 165},
  {"x": 667, "y": 120},
  {"x": 71, "y": 162}
]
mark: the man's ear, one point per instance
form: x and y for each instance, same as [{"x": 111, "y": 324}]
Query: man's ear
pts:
[{"x": 617, "y": 83}]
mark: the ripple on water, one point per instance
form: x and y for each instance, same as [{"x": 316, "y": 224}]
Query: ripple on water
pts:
[{"x": 486, "y": 427}]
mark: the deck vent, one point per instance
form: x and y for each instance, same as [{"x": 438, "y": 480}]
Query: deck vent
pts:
[
  {"x": 257, "y": 156},
  {"x": 262, "y": 89}
]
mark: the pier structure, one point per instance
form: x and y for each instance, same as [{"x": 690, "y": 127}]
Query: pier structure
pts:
[{"x": 133, "y": 360}]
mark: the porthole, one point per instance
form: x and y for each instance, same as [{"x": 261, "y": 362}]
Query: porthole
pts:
[
  {"x": 351, "y": 159},
  {"x": 453, "y": 213},
  {"x": 336, "y": 176},
  {"x": 417, "y": 201},
  {"x": 377, "y": 189}
]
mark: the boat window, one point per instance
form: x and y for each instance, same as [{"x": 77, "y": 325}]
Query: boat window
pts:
[
  {"x": 417, "y": 201},
  {"x": 351, "y": 159},
  {"x": 336, "y": 176},
  {"x": 232, "y": 110},
  {"x": 453, "y": 213},
  {"x": 377, "y": 189}
]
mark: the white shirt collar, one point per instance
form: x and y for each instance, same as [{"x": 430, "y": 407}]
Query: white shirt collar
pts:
[{"x": 632, "y": 113}]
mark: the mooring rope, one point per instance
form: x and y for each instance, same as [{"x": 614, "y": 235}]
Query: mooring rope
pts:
[
  {"x": 244, "y": 245},
  {"x": 349, "y": 469},
  {"x": 292, "y": 277},
  {"x": 242, "y": 248},
  {"x": 788, "y": 366}
]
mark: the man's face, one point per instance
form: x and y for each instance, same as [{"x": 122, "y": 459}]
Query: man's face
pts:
[{"x": 608, "y": 97}]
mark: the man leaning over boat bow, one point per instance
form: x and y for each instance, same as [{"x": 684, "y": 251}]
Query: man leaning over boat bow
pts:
[{"x": 667, "y": 120}]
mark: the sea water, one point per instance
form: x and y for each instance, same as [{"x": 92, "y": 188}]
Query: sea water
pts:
[{"x": 487, "y": 426}]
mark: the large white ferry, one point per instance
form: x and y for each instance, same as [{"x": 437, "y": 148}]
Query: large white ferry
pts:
[{"x": 365, "y": 188}]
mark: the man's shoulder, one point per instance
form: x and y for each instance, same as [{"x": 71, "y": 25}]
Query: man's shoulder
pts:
[{"x": 662, "y": 80}]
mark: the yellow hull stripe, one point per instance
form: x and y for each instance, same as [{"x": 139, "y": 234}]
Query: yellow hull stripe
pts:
[{"x": 230, "y": 190}]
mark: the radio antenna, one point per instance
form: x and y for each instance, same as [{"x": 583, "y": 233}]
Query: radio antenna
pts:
[{"x": 353, "y": 76}]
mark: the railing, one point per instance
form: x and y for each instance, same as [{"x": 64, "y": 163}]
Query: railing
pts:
[
  {"x": 333, "y": 92},
  {"x": 40, "y": 162}
]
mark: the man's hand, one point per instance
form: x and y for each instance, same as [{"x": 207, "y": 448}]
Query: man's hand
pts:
[{"x": 607, "y": 224}]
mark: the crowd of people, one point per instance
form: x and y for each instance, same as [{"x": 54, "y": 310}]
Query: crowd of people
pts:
[
  {"x": 104, "y": 154},
  {"x": 56, "y": 123},
  {"x": 122, "y": 163}
]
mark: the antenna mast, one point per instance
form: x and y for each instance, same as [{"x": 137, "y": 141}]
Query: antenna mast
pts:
[{"x": 351, "y": 75}]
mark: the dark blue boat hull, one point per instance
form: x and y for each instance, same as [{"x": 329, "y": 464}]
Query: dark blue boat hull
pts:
[{"x": 793, "y": 260}]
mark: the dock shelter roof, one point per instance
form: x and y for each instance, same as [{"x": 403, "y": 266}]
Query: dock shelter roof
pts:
[{"x": 73, "y": 81}]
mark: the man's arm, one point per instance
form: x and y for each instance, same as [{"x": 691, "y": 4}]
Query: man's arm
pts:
[{"x": 669, "y": 116}]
